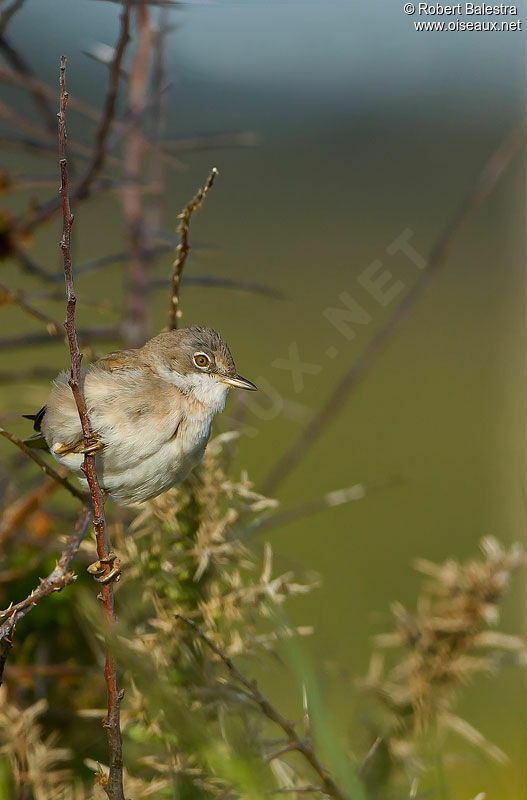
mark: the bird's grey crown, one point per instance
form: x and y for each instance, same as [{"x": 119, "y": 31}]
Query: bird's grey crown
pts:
[{"x": 176, "y": 350}]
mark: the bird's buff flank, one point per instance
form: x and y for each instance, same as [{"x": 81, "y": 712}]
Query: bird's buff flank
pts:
[{"x": 151, "y": 410}]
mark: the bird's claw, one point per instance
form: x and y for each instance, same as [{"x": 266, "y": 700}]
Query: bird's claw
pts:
[
  {"x": 84, "y": 448},
  {"x": 101, "y": 573},
  {"x": 92, "y": 446}
]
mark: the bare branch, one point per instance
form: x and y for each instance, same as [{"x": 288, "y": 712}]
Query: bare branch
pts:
[
  {"x": 299, "y": 745},
  {"x": 299, "y": 790},
  {"x": 59, "y": 577},
  {"x": 27, "y": 375},
  {"x": 15, "y": 297},
  {"x": 39, "y": 98},
  {"x": 43, "y": 466},
  {"x": 114, "y": 789},
  {"x": 212, "y": 142},
  {"x": 85, "y": 336},
  {"x": 30, "y": 267},
  {"x": 99, "y": 156},
  {"x": 6, "y": 15},
  {"x": 337, "y": 497},
  {"x": 487, "y": 181},
  {"x": 183, "y": 248},
  {"x": 110, "y": 103}
]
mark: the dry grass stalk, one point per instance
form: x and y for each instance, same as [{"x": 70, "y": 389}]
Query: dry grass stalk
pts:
[
  {"x": 441, "y": 646},
  {"x": 182, "y": 555},
  {"x": 39, "y": 768}
]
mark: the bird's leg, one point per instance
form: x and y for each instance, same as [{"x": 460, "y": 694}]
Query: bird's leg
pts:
[{"x": 98, "y": 569}]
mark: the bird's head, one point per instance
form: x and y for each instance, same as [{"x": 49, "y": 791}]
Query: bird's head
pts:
[{"x": 198, "y": 361}]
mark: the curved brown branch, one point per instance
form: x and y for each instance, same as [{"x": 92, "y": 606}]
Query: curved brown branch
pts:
[
  {"x": 302, "y": 746},
  {"x": 114, "y": 788},
  {"x": 15, "y": 297},
  {"x": 183, "y": 248},
  {"x": 59, "y": 577},
  {"x": 487, "y": 181}
]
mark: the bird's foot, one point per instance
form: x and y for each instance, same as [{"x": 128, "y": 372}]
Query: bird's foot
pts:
[
  {"x": 106, "y": 570},
  {"x": 93, "y": 445},
  {"x": 84, "y": 448}
]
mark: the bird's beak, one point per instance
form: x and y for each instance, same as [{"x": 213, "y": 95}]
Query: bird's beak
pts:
[{"x": 238, "y": 382}]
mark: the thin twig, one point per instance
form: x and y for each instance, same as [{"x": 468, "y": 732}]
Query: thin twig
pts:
[
  {"x": 31, "y": 267},
  {"x": 338, "y": 497},
  {"x": 39, "y": 98},
  {"x": 59, "y": 577},
  {"x": 15, "y": 297},
  {"x": 183, "y": 248},
  {"x": 27, "y": 375},
  {"x": 110, "y": 103},
  {"x": 487, "y": 181},
  {"x": 5, "y": 16},
  {"x": 213, "y": 142},
  {"x": 99, "y": 156},
  {"x": 299, "y": 745},
  {"x": 114, "y": 788},
  {"x": 43, "y": 466},
  {"x": 35, "y": 339},
  {"x": 299, "y": 790},
  {"x": 119, "y": 126}
]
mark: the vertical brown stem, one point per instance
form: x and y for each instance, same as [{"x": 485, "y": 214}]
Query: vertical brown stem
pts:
[
  {"x": 135, "y": 327},
  {"x": 183, "y": 248},
  {"x": 114, "y": 789}
]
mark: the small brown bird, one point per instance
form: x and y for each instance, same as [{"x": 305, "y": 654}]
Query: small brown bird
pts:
[{"x": 151, "y": 410}]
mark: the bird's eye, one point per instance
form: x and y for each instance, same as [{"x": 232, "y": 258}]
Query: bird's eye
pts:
[{"x": 201, "y": 360}]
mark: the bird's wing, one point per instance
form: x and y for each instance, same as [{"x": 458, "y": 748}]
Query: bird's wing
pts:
[
  {"x": 36, "y": 442},
  {"x": 117, "y": 361}
]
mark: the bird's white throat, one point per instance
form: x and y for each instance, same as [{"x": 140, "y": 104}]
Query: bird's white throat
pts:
[{"x": 206, "y": 389}]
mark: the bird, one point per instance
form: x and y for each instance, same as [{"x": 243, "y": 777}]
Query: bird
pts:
[{"x": 150, "y": 409}]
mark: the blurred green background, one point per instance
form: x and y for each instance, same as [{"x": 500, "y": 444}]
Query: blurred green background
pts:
[{"x": 366, "y": 128}]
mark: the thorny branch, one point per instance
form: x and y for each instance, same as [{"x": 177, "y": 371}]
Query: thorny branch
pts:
[
  {"x": 183, "y": 248},
  {"x": 302, "y": 746},
  {"x": 487, "y": 181},
  {"x": 59, "y": 577},
  {"x": 114, "y": 788}
]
